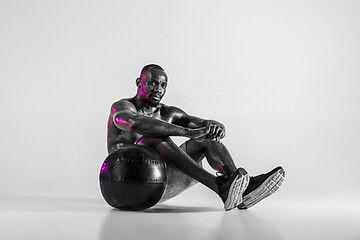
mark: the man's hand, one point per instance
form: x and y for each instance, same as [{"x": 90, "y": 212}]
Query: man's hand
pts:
[
  {"x": 216, "y": 130},
  {"x": 212, "y": 131},
  {"x": 198, "y": 134}
]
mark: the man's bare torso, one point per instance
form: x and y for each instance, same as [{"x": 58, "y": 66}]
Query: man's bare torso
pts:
[{"x": 117, "y": 137}]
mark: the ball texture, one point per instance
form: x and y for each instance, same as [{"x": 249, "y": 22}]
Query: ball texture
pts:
[{"x": 133, "y": 178}]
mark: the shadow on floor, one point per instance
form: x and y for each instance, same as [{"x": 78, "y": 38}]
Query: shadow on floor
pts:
[
  {"x": 162, "y": 208},
  {"x": 183, "y": 222}
]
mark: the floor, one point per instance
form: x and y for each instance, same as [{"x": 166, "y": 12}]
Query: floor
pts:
[{"x": 35, "y": 217}]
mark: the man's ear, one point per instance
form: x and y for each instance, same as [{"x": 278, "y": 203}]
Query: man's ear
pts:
[{"x": 138, "y": 81}]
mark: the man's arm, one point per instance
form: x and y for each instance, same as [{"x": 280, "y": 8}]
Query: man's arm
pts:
[
  {"x": 216, "y": 130},
  {"x": 126, "y": 118}
]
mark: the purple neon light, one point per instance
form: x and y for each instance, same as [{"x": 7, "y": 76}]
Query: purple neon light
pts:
[
  {"x": 119, "y": 120},
  {"x": 104, "y": 167},
  {"x": 140, "y": 141},
  {"x": 143, "y": 91},
  {"x": 222, "y": 169}
]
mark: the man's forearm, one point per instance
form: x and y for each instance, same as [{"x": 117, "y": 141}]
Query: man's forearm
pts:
[
  {"x": 192, "y": 122},
  {"x": 149, "y": 126}
]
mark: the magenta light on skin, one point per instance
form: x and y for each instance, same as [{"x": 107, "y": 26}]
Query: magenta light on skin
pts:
[
  {"x": 143, "y": 92},
  {"x": 122, "y": 121},
  {"x": 140, "y": 141},
  {"x": 222, "y": 169}
]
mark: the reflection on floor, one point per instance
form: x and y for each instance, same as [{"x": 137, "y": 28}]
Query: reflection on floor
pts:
[{"x": 90, "y": 218}]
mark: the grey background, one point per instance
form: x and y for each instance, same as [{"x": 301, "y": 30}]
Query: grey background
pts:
[{"x": 283, "y": 76}]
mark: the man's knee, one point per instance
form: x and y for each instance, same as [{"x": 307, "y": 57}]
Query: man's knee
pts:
[
  {"x": 207, "y": 143},
  {"x": 153, "y": 142}
]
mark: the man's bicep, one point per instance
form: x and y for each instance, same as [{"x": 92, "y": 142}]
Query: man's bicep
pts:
[
  {"x": 123, "y": 119},
  {"x": 123, "y": 113}
]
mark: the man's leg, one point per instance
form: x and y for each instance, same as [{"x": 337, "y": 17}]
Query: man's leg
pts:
[
  {"x": 260, "y": 187},
  {"x": 217, "y": 156},
  {"x": 230, "y": 189},
  {"x": 169, "y": 152},
  {"x": 177, "y": 181}
]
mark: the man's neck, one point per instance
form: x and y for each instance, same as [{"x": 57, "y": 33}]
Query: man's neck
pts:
[{"x": 144, "y": 107}]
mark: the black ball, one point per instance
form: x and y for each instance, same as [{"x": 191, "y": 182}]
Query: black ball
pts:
[{"x": 133, "y": 178}]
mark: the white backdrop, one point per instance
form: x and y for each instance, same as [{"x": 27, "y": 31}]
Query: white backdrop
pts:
[{"x": 283, "y": 76}]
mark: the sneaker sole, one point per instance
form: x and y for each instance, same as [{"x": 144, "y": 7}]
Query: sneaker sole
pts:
[
  {"x": 237, "y": 188},
  {"x": 270, "y": 185}
]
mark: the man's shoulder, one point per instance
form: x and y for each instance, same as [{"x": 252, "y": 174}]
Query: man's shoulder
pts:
[{"x": 125, "y": 103}]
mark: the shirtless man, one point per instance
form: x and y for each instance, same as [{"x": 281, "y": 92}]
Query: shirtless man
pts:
[{"x": 142, "y": 120}]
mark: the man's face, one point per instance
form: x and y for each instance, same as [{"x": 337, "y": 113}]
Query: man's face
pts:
[{"x": 152, "y": 86}]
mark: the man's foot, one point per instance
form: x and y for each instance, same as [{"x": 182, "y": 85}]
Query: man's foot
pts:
[
  {"x": 262, "y": 186},
  {"x": 231, "y": 189}
]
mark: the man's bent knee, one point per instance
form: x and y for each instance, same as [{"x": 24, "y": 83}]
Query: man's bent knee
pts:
[{"x": 151, "y": 141}]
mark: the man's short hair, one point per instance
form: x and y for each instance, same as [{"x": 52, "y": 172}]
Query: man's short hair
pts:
[{"x": 149, "y": 67}]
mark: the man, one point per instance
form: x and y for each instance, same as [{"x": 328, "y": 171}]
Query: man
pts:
[{"x": 143, "y": 121}]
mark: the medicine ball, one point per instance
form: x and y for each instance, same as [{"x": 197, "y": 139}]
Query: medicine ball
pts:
[{"x": 133, "y": 178}]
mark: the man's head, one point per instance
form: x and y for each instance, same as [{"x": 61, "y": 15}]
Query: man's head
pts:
[{"x": 151, "y": 84}]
